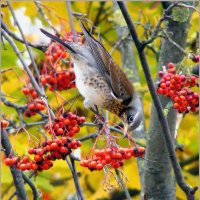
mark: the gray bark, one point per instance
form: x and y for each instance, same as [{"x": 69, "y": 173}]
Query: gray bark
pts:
[
  {"x": 159, "y": 178},
  {"x": 17, "y": 174}
]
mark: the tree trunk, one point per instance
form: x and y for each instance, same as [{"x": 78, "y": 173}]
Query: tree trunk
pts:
[{"x": 159, "y": 178}]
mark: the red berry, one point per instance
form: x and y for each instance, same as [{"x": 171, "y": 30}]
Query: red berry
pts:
[
  {"x": 93, "y": 164},
  {"x": 23, "y": 167},
  {"x": 25, "y": 159},
  {"x": 40, "y": 152},
  {"x": 4, "y": 123},
  {"x": 34, "y": 166},
  {"x": 196, "y": 58},
  {"x": 76, "y": 129},
  {"x": 54, "y": 146},
  {"x": 31, "y": 150},
  {"x": 31, "y": 106},
  {"x": 34, "y": 94},
  {"x": 60, "y": 131},
  {"x": 37, "y": 158},
  {"x": 99, "y": 166},
  {"x": 25, "y": 91},
  {"x": 8, "y": 161},
  {"x": 170, "y": 65}
]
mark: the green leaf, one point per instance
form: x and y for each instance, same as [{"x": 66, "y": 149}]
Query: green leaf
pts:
[{"x": 180, "y": 14}]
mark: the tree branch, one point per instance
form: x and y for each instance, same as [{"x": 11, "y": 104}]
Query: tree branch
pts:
[
  {"x": 39, "y": 9},
  {"x": 163, "y": 121},
  {"x": 128, "y": 196},
  {"x": 33, "y": 81},
  {"x": 75, "y": 177},
  {"x": 69, "y": 10},
  {"x": 157, "y": 29},
  {"x": 25, "y": 42},
  {"x": 42, "y": 48},
  {"x": 32, "y": 186},
  {"x": 17, "y": 174}
]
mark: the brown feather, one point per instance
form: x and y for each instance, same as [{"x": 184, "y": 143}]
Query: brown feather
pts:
[{"x": 116, "y": 78}]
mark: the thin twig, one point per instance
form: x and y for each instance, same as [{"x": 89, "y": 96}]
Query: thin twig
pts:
[
  {"x": 69, "y": 10},
  {"x": 33, "y": 81},
  {"x": 189, "y": 191},
  {"x": 167, "y": 37},
  {"x": 16, "y": 50},
  {"x": 39, "y": 9},
  {"x": 25, "y": 42},
  {"x": 15, "y": 192},
  {"x": 75, "y": 177},
  {"x": 155, "y": 32},
  {"x": 100, "y": 10},
  {"x": 36, "y": 194},
  {"x": 112, "y": 129},
  {"x": 188, "y": 6},
  {"x": 41, "y": 47},
  {"x": 128, "y": 196}
]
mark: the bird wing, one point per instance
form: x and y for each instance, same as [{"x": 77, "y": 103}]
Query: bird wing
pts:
[{"x": 114, "y": 75}]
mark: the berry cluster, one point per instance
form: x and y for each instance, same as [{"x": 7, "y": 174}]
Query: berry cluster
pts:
[
  {"x": 177, "y": 87},
  {"x": 4, "y": 123},
  {"x": 113, "y": 156},
  {"x": 55, "y": 52},
  {"x": 66, "y": 125},
  {"x": 33, "y": 107},
  {"x": 59, "y": 79},
  {"x": 30, "y": 91}
]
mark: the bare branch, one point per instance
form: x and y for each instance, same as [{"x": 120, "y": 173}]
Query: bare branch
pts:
[
  {"x": 69, "y": 10},
  {"x": 128, "y": 196},
  {"x": 157, "y": 29},
  {"x": 39, "y": 9},
  {"x": 32, "y": 186},
  {"x": 33, "y": 81},
  {"x": 25, "y": 42},
  {"x": 166, "y": 36},
  {"x": 15, "y": 37},
  {"x": 75, "y": 177},
  {"x": 188, "y": 6}
]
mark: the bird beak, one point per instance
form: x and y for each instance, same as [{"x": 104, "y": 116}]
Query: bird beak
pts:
[
  {"x": 57, "y": 39},
  {"x": 125, "y": 128}
]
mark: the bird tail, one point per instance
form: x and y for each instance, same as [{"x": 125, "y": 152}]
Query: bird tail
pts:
[{"x": 57, "y": 39}]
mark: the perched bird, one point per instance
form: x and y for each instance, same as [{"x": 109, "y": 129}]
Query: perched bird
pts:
[{"x": 101, "y": 81}]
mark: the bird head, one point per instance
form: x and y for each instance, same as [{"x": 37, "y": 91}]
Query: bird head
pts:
[{"x": 132, "y": 116}]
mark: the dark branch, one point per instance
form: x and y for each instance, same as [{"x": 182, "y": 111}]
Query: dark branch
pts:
[
  {"x": 163, "y": 121},
  {"x": 15, "y": 37},
  {"x": 75, "y": 177},
  {"x": 32, "y": 186},
  {"x": 16, "y": 174}
]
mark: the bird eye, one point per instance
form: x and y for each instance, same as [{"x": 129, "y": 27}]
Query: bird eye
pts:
[{"x": 130, "y": 119}]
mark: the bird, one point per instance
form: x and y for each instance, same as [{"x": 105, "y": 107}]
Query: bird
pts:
[{"x": 101, "y": 81}]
